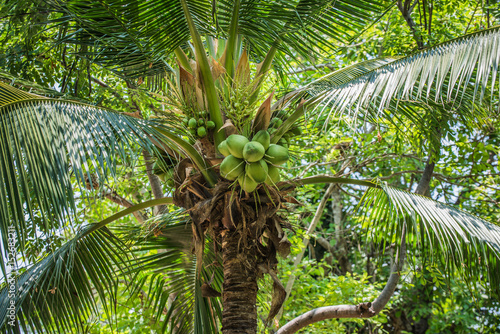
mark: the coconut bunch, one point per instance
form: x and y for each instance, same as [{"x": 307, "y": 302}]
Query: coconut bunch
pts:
[
  {"x": 198, "y": 127},
  {"x": 252, "y": 162}
]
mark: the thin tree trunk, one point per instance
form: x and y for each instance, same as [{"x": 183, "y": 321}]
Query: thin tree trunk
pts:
[
  {"x": 298, "y": 258},
  {"x": 406, "y": 8},
  {"x": 154, "y": 181},
  {"x": 425, "y": 292},
  {"x": 341, "y": 245},
  {"x": 364, "y": 310},
  {"x": 239, "y": 295}
]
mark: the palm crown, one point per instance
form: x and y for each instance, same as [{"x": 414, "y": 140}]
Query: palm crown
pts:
[{"x": 230, "y": 191}]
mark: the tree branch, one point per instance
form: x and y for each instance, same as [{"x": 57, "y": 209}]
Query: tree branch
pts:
[
  {"x": 154, "y": 181},
  {"x": 406, "y": 8},
  {"x": 111, "y": 90},
  {"x": 92, "y": 184},
  {"x": 366, "y": 309},
  {"x": 312, "y": 227},
  {"x": 362, "y": 310},
  {"x": 115, "y": 198}
]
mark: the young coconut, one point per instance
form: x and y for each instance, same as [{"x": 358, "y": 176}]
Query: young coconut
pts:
[
  {"x": 223, "y": 149},
  {"x": 210, "y": 125},
  {"x": 273, "y": 175},
  {"x": 257, "y": 171},
  {"x": 171, "y": 183},
  {"x": 202, "y": 132},
  {"x": 192, "y": 123},
  {"x": 263, "y": 138},
  {"x": 235, "y": 144},
  {"x": 277, "y": 154},
  {"x": 253, "y": 151},
  {"x": 232, "y": 167},
  {"x": 247, "y": 183}
]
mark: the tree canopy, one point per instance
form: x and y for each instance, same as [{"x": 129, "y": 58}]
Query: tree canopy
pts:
[{"x": 135, "y": 104}]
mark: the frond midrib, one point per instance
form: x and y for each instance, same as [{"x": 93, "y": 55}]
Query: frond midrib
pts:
[{"x": 401, "y": 59}]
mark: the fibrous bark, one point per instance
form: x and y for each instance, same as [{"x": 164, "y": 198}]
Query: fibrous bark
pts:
[
  {"x": 249, "y": 234},
  {"x": 239, "y": 294}
]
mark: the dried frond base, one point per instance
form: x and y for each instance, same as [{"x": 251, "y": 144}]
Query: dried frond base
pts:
[{"x": 249, "y": 233}]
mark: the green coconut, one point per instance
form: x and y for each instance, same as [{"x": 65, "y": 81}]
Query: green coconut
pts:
[
  {"x": 231, "y": 167},
  {"x": 253, "y": 151},
  {"x": 192, "y": 123},
  {"x": 276, "y": 122},
  {"x": 257, "y": 171},
  {"x": 263, "y": 138},
  {"x": 165, "y": 174},
  {"x": 247, "y": 183},
  {"x": 277, "y": 154},
  {"x": 273, "y": 175},
  {"x": 171, "y": 183},
  {"x": 235, "y": 144},
  {"x": 210, "y": 125},
  {"x": 283, "y": 142},
  {"x": 223, "y": 149},
  {"x": 157, "y": 169},
  {"x": 201, "y": 121},
  {"x": 202, "y": 132},
  {"x": 297, "y": 131}
]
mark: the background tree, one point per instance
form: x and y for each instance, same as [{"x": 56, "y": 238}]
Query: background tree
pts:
[{"x": 124, "y": 39}]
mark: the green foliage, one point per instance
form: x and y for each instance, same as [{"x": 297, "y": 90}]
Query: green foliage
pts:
[{"x": 120, "y": 56}]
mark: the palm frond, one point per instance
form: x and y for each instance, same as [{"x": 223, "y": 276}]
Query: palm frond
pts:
[
  {"x": 338, "y": 78},
  {"x": 136, "y": 38},
  {"x": 176, "y": 298},
  {"x": 28, "y": 85},
  {"x": 456, "y": 239},
  {"x": 44, "y": 143},
  {"x": 59, "y": 293},
  {"x": 301, "y": 27},
  {"x": 458, "y": 75},
  {"x": 494, "y": 8}
]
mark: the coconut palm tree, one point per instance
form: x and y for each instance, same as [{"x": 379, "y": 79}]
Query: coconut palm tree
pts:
[{"x": 221, "y": 145}]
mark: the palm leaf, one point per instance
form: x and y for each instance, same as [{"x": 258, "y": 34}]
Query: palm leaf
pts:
[
  {"x": 28, "y": 85},
  {"x": 136, "y": 38},
  {"x": 458, "y": 75},
  {"x": 336, "y": 79},
  {"x": 45, "y": 142},
  {"x": 176, "y": 297},
  {"x": 458, "y": 240},
  {"x": 299, "y": 27},
  {"x": 56, "y": 294}
]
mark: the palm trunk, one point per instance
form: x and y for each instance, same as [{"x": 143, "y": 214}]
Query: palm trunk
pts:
[{"x": 239, "y": 294}]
